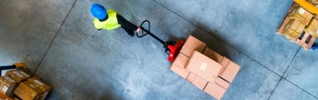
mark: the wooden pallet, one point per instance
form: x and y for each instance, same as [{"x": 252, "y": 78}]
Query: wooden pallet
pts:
[{"x": 306, "y": 41}]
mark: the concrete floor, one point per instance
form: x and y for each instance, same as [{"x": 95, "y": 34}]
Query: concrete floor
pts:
[{"x": 57, "y": 40}]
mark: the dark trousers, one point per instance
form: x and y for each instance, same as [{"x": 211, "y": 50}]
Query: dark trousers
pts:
[{"x": 129, "y": 31}]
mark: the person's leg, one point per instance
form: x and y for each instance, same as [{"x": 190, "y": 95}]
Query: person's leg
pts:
[{"x": 130, "y": 32}]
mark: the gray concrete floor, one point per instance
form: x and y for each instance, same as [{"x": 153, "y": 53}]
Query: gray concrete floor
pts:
[{"x": 58, "y": 42}]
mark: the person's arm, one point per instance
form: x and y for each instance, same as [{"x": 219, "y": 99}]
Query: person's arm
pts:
[{"x": 126, "y": 24}]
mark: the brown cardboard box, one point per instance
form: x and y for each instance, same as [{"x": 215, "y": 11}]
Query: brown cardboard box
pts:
[
  {"x": 204, "y": 66},
  {"x": 7, "y": 85},
  {"x": 180, "y": 71},
  {"x": 222, "y": 83},
  {"x": 213, "y": 55},
  {"x": 225, "y": 61},
  {"x": 200, "y": 82},
  {"x": 197, "y": 81},
  {"x": 230, "y": 71},
  {"x": 312, "y": 28},
  {"x": 4, "y": 97},
  {"x": 181, "y": 61},
  {"x": 40, "y": 84},
  {"x": 16, "y": 98},
  {"x": 179, "y": 64},
  {"x": 191, "y": 77},
  {"x": 25, "y": 74},
  {"x": 301, "y": 14},
  {"x": 28, "y": 91},
  {"x": 191, "y": 45},
  {"x": 293, "y": 29},
  {"x": 15, "y": 75},
  {"x": 215, "y": 90}
]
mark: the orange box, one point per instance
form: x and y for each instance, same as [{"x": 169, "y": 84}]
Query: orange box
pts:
[
  {"x": 312, "y": 28},
  {"x": 197, "y": 81},
  {"x": 191, "y": 45},
  {"x": 222, "y": 83},
  {"x": 180, "y": 71},
  {"x": 230, "y": 71},
  {"x": 15, "y": 75},
  {"x": 24, "y": 74},
  {"x": 213, "y": 55},
  {"x": 4, "y": 97},
  {"x": 43, "y": 86},
  {"x": 301, "y": 14},
  {"x": 28, "y": 91},
  {"x": 215, "y": 90},
  {"x": 181, "y": 61},
  {"x": 293, "y": 29},
  {"x": 7, "y": 85},
  {"x": 204, "y": 66}
]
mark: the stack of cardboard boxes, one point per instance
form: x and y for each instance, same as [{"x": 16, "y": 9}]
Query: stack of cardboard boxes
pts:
[
  {"x": 17, "y": 85},
  {"x": 205, "y": 68},
  {"x": 300, "y": 26}
]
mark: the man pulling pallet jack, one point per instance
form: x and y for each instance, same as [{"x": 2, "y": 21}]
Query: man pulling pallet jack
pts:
[{"x": 110, "y": 20}]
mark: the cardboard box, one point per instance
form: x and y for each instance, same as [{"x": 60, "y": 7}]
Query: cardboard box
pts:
[
  {"x": 17, "y": 76},
  {"x": 212, "y": 54},
  {"x": 43, "y": 86},
  {"x": 293, "y": 29},
  {"x": 40, "y": 84},
  {"x": 197, "y": 81},
  {"x": 214, "y": 90},
  {"x": 301, "y": 14},
  {"x": 312, "y": 28},
  {"x": 4, "y": 97},
  {"x": 180, "y": 71},
  {"x": 230, "y": 71},
  {"x": 181, "y": 61},
  {"x": 204, "y": 66},
  {"x": 192, "y": 44},
  {"x": 25, "y": 74},
  {"x": 191, "y": 77},
  {"x": 16, "y": 98},
  {"x": 225, "y": 61},
  {"x": 7, "y": 85},
  {"x": 28, "y": 91},
  {"x": 224, "y": 84}
]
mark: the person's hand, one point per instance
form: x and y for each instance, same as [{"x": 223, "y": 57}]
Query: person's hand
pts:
[{"x": 138, "y": 30}]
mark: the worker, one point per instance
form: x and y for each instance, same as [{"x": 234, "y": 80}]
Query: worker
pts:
[{"x": 110, "y": 20}]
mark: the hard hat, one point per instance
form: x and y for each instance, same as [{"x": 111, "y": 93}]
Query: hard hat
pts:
[{"x": 98, "y": 11}]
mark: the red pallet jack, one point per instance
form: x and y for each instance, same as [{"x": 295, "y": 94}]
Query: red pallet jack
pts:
[{"x": 172, "y": 48}]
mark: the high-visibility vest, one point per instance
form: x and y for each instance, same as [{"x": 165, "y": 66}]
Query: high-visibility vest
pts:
[{"x": 110, "y": 24}]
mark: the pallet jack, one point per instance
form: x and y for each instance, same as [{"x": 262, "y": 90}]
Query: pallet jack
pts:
[
  {"x": 172, "y": 48},
  {"x": 18, "y": 66}
]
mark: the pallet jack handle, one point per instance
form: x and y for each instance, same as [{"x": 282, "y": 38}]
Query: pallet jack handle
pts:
[
  {"x": 172, "y": 48},
  {"x": 148, "y": 32}
]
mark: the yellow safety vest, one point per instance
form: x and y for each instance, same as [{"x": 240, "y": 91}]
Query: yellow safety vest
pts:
[{"x": 110, "y": 24}]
